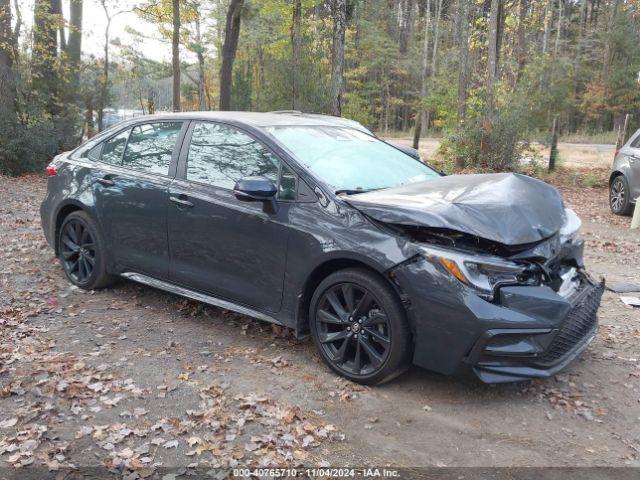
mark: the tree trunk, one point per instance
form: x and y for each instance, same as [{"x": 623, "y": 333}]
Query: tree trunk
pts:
[
  {"x": 232, "y": 33},
  {"x": 45, "y": 51},
  {"x": 462, "y": 33},
  {"x": 58, "y": 19},
  {"x": 405, "y": 7},
  {"x": 607, "y": 49},
  {"x": 500, "y": 34},
  {"x": 556, "y": 48},
  {"x": 548, "y": 18},
  {"x": 339, "y": 14},
  {"x": 7, "y": 78},
  {"x": 420, "y": 115},
  {"x": 577, "y": 64},
  {"x": 104, "y": 81},
  {"x": 16, "y": 31},
  {"x": 522, "y": 38},
  {"x": 492, "y": 54},
  {"x": 175, "y": 55},
  {"x": 88, "y": 118},
  {"x": 74, "y": 47},
  {"x": 296, "y": 51},
  {"x": 436, "y": 37},
  {"x": 202, "y": 100}
]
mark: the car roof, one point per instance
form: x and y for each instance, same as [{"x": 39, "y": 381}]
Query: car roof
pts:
[{"x": 258, "y": 119}]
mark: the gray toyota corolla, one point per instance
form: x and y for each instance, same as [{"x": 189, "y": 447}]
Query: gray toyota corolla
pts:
[{"x": 311, "y": 223}]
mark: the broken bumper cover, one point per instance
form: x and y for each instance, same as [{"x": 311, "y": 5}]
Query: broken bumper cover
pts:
[
  {"x": 503, "y": 356},
  {"x": 528, "y": 332}
]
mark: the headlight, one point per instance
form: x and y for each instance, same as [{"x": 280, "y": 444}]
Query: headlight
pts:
[
  {"x": 571, "y": 227},
  {"x": 483, "y": 273}
]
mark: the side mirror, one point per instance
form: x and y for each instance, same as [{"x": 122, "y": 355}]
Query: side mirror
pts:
[{"x": 254, "y": 189}]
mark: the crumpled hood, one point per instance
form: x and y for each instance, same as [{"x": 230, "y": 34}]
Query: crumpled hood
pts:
[{"x": 508, "y": 208}]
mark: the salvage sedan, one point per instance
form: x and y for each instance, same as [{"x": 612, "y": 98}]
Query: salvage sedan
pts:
[{"x": 309, "y": 223}]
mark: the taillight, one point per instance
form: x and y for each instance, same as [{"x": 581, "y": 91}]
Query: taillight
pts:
[
  {"x": 617, "y": 152},
  {"x": 52, "y": 168}
]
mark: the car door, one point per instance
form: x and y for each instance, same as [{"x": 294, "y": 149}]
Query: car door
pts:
[
  {"x": 232, "y": 249},
  {"x": 131, "y": 192}
]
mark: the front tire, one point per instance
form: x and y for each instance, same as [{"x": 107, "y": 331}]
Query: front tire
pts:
[
  {"x": 81, "y": 252},
  {"x": 359, "y": 327},
  {"x": 619, "y": 196}
]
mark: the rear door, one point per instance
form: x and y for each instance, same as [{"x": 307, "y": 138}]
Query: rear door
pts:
[
  {"x": 131, "y": 192},
  {"x": 218, "y": 244}
]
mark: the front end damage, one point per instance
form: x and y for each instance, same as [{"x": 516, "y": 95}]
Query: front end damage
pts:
[
  {"x": 495, "y": 279},
  {"x": 530, "y": 322}
]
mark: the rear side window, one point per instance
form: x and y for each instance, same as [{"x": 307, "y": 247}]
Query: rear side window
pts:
[
  {"x": 220, "y": 155},
  {"x": 150, "y": 147},
  {"x": 113, "y": 148},
  {"x": 94, "y": 153},
  {"x": 636, "y": 142}
]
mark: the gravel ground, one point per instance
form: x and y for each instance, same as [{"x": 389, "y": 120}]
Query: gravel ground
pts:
[{"x": 137, "y": 380}]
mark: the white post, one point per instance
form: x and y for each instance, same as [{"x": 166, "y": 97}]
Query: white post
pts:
[{"x": 635, "y": 221}]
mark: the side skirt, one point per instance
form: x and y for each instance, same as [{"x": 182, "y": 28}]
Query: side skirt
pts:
[{"x": 201, "y": 297}]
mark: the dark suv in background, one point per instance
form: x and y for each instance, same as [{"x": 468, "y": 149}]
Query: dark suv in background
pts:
[{"x": 310, "y": 223}]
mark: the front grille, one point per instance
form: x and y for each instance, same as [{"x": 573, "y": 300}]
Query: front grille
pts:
[{"x": 579, "y": 323}]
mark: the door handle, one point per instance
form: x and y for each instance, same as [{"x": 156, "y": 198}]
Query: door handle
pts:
[
  {"x": 106, "y": 182},
  {"x": 181, "y": 202}
]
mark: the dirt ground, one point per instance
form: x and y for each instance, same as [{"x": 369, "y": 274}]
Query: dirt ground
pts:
[{"x": 138, "y": 380}]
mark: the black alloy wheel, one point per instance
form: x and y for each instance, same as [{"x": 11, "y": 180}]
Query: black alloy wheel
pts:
[
  {"x": 359, "y": 327},
  {"x": 81, "y": 253},
  {"x": 353, "y": 330},
  {"x": 78, "y": 251},
  {"x": 619, "y": 196}
]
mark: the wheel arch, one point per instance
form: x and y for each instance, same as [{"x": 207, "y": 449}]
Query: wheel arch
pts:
[
  {"x": 322, "y": 271},
  {"x": 614, "y": 174}
]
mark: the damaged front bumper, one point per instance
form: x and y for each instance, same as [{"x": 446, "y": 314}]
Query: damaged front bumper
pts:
[
  {"x": 526, "y": 332},
  {"x": 505, "y": 356}
]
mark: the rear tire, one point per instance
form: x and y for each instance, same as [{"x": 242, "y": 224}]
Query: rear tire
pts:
[
  {"x": 81, "y": 252},
  {"x": 359, "y": 327},
  {"x": 619, "y": 196}
]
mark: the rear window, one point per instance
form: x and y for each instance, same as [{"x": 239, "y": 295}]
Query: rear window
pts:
[{"x": 150, "y": 147}]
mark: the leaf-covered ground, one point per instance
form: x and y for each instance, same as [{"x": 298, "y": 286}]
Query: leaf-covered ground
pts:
[{"x": 137, "y": 381}]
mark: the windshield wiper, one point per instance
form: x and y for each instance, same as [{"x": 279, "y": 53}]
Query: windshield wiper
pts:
[{"x": 351, "y": 191}]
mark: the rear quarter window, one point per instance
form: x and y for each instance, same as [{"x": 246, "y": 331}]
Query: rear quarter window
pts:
[
  {"x": 113, "y": 148},
  {"x": 95, "y": 152}
]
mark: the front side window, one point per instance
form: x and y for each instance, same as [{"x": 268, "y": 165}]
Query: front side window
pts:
[
  {"x": 348, "y": 159},
  {"x": 220, "y": 155},
  {"x": 150, "y": 147},
  {"x": 113, "y": 148},
  {"x": 287, "y": 186}
]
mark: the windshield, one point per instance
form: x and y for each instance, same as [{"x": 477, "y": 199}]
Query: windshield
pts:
[{"x": 348, "y": 159}]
